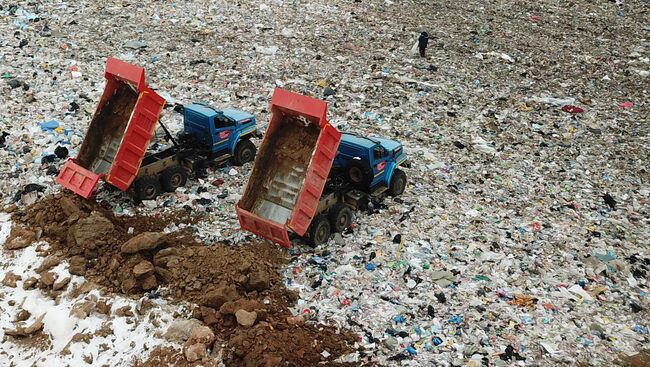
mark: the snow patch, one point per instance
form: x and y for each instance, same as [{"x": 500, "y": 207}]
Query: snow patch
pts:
[{"x": 129, "y": 338}]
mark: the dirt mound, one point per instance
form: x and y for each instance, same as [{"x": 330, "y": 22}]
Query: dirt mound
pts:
[
  {"x": 131, "y": 255},
  {"x": 267, "y": 346},
  {"x": 169, "y": 356}
]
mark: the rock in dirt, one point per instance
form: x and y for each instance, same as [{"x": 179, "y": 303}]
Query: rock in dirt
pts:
[
  {"x": 162, "y": 257},
  {"x": 103, "y": 307},
  {"x": 48, "y": 263},
  {"x": 30, "y": 283},
  {"x": 195, "y": 352},
  {"x": 10, "y": 279},
  {"x": 90, "y": 230},
  {"x": 124, "y": 311},
  {"x": 22, "y": 330},
  {"x": 48, "y": 278},
  {"x": 217, "y": 297},
  {"x": 142, "y": 268},
  {"x": 143, "y": 242},
  {"x": 19, "y": 237},
  {"x": 149, "y": 282},
  {"x": 81, "y": 310},
  {"x": 258, "y": 281},
  {"x": 23, "y": 315},
  {"x": 164, "y": 274},
  {"x": 230, "y": 308},
  {"x": 295, "y": 320},
  {"x": 69, "y": 207},
  {"x": 61, "y": 284},
  {"x": 180, "y": 330},
  {"x": 196, "y": 347},
  {"x": 245, "y": 318},
  {"x": 201, "y": 335},
  {"x": 208, "y": 315},
  {"x": 77, "y": 265}
]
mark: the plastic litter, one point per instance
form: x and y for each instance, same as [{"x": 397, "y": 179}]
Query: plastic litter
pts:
[{"x": 525, "y": 219}]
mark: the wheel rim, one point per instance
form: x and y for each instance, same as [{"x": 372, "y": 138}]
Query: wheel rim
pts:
[
  {"x": 343, "y": 221},
  {"x": 321, "y": 234},
  {"x": 355, "y": 174},
  {"x": 401, "y": 184},
  {"x": 246, "y": 155},
  {"x": 150, "y": 191},
  {"x": 176, "y": 180}
]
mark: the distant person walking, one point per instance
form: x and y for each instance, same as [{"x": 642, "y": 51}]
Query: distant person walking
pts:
[{"x": 423, "y": 42}]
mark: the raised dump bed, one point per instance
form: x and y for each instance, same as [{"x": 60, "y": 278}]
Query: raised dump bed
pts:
[
  {"x": 291, "y": 168},
  {"x": 119, "y": 133}
]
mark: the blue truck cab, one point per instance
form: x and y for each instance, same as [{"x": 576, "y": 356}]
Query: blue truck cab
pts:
[
  {"x": 226, "y": 131},
  {"x": 371, "y": 163}
]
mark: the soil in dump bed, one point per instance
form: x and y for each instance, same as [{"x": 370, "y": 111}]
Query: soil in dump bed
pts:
[
  {"x": 291, "y": 145},
  {"x": 108, "y": 124},
  {"x": 219, "y": 279}
]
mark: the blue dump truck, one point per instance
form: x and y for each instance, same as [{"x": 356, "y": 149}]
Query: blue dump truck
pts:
[
  {"x": 209, "y": 136},
  {"x": 370, "y": 163},
  {"x": 308, "y": 177},
  {"x": 115, "y": 147}
]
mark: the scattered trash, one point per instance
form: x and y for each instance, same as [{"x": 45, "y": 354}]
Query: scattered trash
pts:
[
  {"x": 572, "y": 109},
  {"x": 135, "y": 45},
  {"x": 609, "y": 200},
  {"x": 525, "y": 212},
  {"x": 61, "y": 152}
]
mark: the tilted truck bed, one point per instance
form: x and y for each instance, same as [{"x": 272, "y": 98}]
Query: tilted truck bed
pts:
[
  {"x": 119, "y": 133},
  {"x": 290, "y": 170}
]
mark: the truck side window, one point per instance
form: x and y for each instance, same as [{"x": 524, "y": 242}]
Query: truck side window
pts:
[
  {"x": 379, "y": 152},
  {"x": 221, "y": 122}
]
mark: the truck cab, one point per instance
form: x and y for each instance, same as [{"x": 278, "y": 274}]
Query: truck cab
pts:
[
  {"x": 226, "y": 131},
  {"x": 371, "y": 163}
]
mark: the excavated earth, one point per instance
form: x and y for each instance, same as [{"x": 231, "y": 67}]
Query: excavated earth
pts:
[{"x": 235, "y": 290}]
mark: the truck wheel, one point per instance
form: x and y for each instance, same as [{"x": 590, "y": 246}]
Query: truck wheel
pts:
[
  {"x": 397, "y": 183},
  {"x": 359, "y": 174},
  {"x": 173, "y": 178},
  {"x": 340, "y": 217},
  {"x": 147, "y": 188},
  {"x": 319, "y": 231},
  {"x": 244, "y": 152}
]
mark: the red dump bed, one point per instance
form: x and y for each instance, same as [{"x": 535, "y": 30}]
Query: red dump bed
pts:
[
  {"x": 119, "y": 133},
  {"x": 290, "y": 169}
]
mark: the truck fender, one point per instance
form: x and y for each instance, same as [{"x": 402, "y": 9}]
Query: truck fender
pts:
[
  {"x": 389, "y": 170},
  {"x": 234, "y": 140}
]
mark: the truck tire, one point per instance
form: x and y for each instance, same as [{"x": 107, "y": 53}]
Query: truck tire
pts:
[
  {"x": 397, "y": 183},
  {"x": 147, "y": 188},
  {"x": 359, "y": 174},
  {"x": 340, "y": 217},
  {"x": 244, "y": 152},
  {"x": 319, "y": 231},
  {"x": 173, "y": 178}
]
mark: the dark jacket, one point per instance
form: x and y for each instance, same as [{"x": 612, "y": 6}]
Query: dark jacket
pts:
[{"x": 423, "y": 40}]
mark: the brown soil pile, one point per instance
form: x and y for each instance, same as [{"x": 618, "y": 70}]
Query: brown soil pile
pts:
[
  {"x": 641, "y": 359},
  {"x": 169, "y": 356},
  {"x": 238, "y": 291}
]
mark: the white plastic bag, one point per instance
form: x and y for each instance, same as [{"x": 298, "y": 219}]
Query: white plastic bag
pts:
[{"x": 414, "y": 49}]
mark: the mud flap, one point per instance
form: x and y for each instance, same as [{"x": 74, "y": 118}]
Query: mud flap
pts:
[
  {"x": 77, "y": 179},
  {"x": 270, "y": 230}
]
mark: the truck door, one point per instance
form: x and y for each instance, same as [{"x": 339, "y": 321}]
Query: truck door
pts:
[
  {"x": 379, "y": 162},
  {"x": 223, "y": 133}
]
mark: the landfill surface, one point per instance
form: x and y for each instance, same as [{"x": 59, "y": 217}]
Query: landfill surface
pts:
[{"x": 522, "y": 238}]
